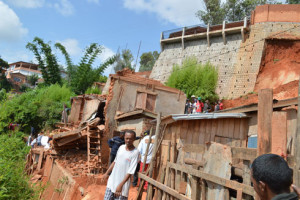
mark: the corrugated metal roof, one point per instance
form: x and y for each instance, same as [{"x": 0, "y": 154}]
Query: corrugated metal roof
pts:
[{"x": 178, "y": 117}]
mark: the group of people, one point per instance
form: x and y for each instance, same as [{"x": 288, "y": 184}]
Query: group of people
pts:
[
  {"x": 126, "y": 161},
  {"x": 195, "y": 105},
  {"x": 270, "y": 174},
  {"x": 40, "y": 140}
]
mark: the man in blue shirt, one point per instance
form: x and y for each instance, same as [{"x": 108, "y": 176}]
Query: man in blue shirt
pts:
[{"x": 114, "y": 144}]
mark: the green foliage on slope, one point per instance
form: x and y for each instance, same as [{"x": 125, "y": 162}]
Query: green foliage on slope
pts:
[{"x": 194, "y": 78}]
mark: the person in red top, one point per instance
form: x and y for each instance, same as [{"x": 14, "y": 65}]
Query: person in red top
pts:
[
  {"x": 220, "y": 105},
  {"x": 199, "y": 105}
]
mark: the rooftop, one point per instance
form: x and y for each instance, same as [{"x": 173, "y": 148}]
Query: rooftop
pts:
[{"x": 133, "y": 77}]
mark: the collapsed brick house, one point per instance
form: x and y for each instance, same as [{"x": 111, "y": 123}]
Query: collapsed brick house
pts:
[
  {"x": 131, "y": 103},
  {"x": 133, "y": 100}
]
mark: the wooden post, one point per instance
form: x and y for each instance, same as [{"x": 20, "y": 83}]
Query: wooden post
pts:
[
  {"x": 297, "y": 146},
  {"x": 147, "y": 150},
  {"x": 173, "y": 155},
  {"x": 167, "y": 170},
  {"x": 264, "y": 121},
  {"x": 153, "y": 159},
  {"x": 195, "y": 186},
  {"x": 246, "y": 176}
]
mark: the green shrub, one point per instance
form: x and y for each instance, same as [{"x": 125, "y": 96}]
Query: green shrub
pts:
[
  {"x": 93, "y": 90},
  {"x": 40, "y": 108},
  {"x": 14, "y": 183},
  {"x": 194, "y": 78}
]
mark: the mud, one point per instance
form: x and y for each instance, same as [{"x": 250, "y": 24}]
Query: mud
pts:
[{"x": 279, "y": 70}]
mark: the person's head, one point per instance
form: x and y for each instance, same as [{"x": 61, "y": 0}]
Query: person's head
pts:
[
  {"x": 122, "y": 134},
  {"x": 129, "y": 137},
  {"x": 271, "y": 175},
  {"x": 199, "y": 98}
]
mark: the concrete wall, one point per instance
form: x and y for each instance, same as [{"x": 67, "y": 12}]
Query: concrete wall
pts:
[{"x": 238, "y": 62}]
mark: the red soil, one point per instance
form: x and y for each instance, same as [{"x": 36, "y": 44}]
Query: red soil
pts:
[
  {"x": 95, "y": 190},
  {"x": 279, "y": 70}
]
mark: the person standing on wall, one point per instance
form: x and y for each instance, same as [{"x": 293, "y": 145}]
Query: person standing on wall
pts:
[
  {"x": 142, "y": 149},
  {"x": 199, "y": 105},
  {"x": 121, "y": 169}
]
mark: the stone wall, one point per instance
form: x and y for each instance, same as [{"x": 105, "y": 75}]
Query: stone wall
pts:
[{"x": 238, "y": 62}]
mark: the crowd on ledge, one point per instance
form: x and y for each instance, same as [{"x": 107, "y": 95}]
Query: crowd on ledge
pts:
[{"x": 195, "y": 106}]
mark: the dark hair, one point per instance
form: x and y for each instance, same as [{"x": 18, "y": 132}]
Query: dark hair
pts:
[
  {"x": 122, "y": 132},
  {"x": 274, "y": 171},
  {"x": 131, "y": 132},
  {"x": 147, "y": 132}
]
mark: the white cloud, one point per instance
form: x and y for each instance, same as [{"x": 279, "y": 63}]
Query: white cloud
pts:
[
  {"x": 64, "y": 7},
  {"x": 107, "y": 53},
  {"x": 93, "y": 1},
  {"x": 11, "y": 29},
  {"x": 27, "y": 3},
  {"x": 181, "y": 13},
  {"x": 15, "y": 56},
  {"x": 71, "y": 46}
]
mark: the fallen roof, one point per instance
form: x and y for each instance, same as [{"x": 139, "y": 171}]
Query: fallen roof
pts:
[
  {"x": 179, "y": 117},
  {"x": 130, "y": 76},
  {"x": 135, "y": 113}
]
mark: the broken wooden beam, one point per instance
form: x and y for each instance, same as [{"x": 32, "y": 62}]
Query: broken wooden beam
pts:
[
  {"x": 163, "y": 187},
  {"x": 214, "y": 179}
]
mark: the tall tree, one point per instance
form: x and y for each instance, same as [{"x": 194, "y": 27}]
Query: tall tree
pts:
[
  {"x": 83, "y": 75},
  {"x": 4, "y": 83},
  {"x": 232, "y": 10},
  {"x": 214, "y": 12},
  {"x": 124, "y": 60},
  {"x": 46, "y": 59},
  {"x": 147, "y": 60},
  {"x": 293, "y": 1}
]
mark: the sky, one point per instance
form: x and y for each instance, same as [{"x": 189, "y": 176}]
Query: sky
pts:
[{"x": 114, "y": 24}]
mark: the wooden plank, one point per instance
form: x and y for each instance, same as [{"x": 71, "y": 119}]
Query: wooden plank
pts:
[
  {"x": 202, "y": 132},
  {"x": 297, "y": 145},
  {"x": 246, "y": 177},
  {"x": 196, "y": 148},
  {"x": 167, "y": 170},
  {"x": 231, "y": 128},
  {"x": 163, "y": 187},
  {"x": 40, "y": 160},
  {"x": 264, "y": 121},
  {"x": 215, "y": 179},
  {"x": 243, "y": 153},
  {"x": 184, "y": 130},
  {"x": 147, "y": 149},
  {"x": 236, "y": 134},
  {"x": 195, "y": 186},
  {"x": 162, "y": 178},
  {"x": 177, "y": 180},
  {"x": 196, "y": 132},
  {"x": 279, "y": 133},
  {"x": 189, "y": 137},
  {"x": 203, "y": 190},
  {"x": 208, "y": 131},
  {"x": 155, "y": 148},
  {"x": 220, "y": 127},
  {"x": 67, "y": 134},
  {"x": 214, "y": 129},
  {"x": 67, "y": 140},
  {"x": 173, "y": 158},
  {"x": 239, "y": 194}
]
